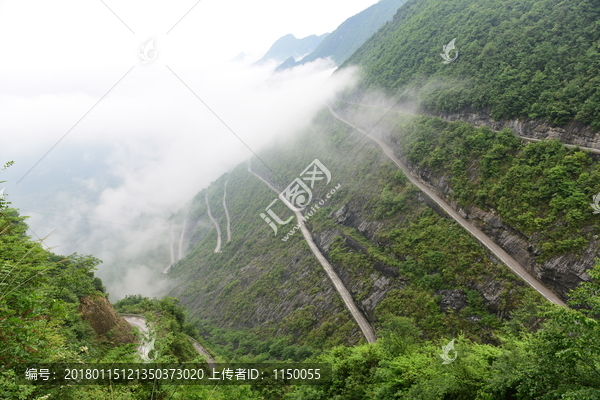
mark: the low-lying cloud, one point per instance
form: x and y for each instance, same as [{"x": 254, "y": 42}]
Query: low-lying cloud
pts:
[{"x": 145, "y": 149}]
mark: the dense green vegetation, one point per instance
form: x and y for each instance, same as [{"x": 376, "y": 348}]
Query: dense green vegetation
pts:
[
  {"x": 416, "y": 275},
  {"x": 541, "y": 352},
  {"x": 497, "y": 357},
  {"x": 40, "y": 322},
  {"x": 430, "y": 254},
  {"x": 507, "y": 349},
  {"x": 40, "y": 294},
  {"x": 554, "y": 354},
  {"x": 422, "y": 252},
  {"x": 517, "y": 58},
  {"x": 543, "y": 189}
]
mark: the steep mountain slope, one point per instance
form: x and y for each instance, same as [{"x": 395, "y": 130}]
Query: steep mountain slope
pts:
[
  {"x": 494, "y": 249},
  {"x": 346, "y": 297},
  {"x": 516, "y": 59},
  {"x": 531, "y": 199},
  {"x": 416, "y": 275},
  {"x": 451, "y": 320},
  {"x": 513, "y": 71},
  {"x": 55, "y": 311},
  {"x": 351, "y": 34},
  {"x": 268, "y": 284},
  {"x": 289, "y": 46}
]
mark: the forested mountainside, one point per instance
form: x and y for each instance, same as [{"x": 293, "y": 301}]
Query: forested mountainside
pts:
[
  {"x": 277, "y": 288},
  {"x": 451, "y": 320},
  {"x": 351, "y": 34},
  {"x": 532, "y": 199},
  {"x": 54, "y": 310},
  {"x": 516, "y": 58},
  {"x": 415, "y": 274}
]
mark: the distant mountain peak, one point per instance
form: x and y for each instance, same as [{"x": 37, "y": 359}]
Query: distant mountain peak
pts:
[
  {"x": 351, "y": 34},
  {"x": 240, "y": 57},
  {"x": 289, "y": 46}
]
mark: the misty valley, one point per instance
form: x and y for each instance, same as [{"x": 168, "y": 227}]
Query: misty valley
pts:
[{"x": 403, "y": 207}]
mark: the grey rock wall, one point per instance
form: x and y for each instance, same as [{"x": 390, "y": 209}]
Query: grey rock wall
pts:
[{"x": 573, "y": 132}]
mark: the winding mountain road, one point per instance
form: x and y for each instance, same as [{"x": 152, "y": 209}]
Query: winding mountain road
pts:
[
  {"x": 171, "y": 246},
  {"x": 210, "y": 361},
  {"x": 529, "y": 139},
  {"x": 362, "y": 322},
  {"x": 181, "y": 240},
  {"x": 214, "y": 221},
  {"x": 139, "y": 321},
  {"x": 227, "y": 214},
  {"x": 146, "y": 344},
  {"x": 474, "y": 231}
]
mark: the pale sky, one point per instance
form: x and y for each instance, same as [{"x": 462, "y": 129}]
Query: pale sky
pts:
[
  {"x": 43, "y": 35},
  {"x": 148, "y": 145}
]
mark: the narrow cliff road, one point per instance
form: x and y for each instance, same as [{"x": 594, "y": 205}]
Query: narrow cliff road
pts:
[
  {"x": 571, "y": 146},
  {"x": 146, "y": 344},
  {"x": 181, "y": 240},
  {"x": 139, "y": 321},
  {"x": 227, "y": 214},
  {"x": 210, "y": 361},
  {"x": 172, "y": 249},
  {"x": 474, "y": 231},
  {"x": 362, "y": 322},
  {"x": 529, "y": 139},
  {"x": 218, "y": 248}
]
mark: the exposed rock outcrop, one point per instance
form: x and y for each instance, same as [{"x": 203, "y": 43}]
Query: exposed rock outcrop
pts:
[
  {"x": 452, "y": 300},
  {"x": 368, "y": 293},
  {"x": 105, "y": 321},
  {"x": 562, "y": 273},
  {"x": 573, "y": 132}
]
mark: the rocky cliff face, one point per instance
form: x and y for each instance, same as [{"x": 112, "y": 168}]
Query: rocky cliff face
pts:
[
  {"x": 105, "y": 321},
  {"x": 573, "y": 132},
  {"x": 561, "y": 273},
  {"x": 385, "y": 278},
  {"x": 367, "y": 292}
]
